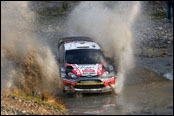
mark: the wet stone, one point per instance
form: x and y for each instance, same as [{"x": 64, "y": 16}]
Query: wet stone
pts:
[
  {"x": 24, "y": 111},
  {"x": 170, "y": 107},
  {"x": 14, "y": 97}
]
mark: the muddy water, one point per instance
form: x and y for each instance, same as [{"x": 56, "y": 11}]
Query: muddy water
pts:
[{"x": 145, "y": 92}]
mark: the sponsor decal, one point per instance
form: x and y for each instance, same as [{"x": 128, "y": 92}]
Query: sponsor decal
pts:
[
  {"x": 100, "y": 70},
  {"x": 86, "y": 66},
  {"x": 87, "y": 70},
  {"x": 68, "y": 41},
  {"x": 76, "y": 70},
  {"x": 111, "y": 81},
  {"x": 90, "y": 83}
]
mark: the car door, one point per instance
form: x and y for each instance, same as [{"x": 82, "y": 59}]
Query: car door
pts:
[{"x": 61, "y": 56}]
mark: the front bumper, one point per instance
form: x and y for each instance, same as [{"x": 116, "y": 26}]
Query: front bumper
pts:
[
  {"x": 98, "y": 90},
  {"x": 88, "y": 86}
]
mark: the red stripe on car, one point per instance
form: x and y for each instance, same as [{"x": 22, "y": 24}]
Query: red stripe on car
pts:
[
  {"x": 111, "y": 81},
  {"x": 100, "y": 70}
]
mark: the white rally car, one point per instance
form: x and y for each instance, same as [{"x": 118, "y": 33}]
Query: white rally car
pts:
[{"x": 83, "y": 67}]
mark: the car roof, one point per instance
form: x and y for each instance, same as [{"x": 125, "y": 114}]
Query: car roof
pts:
[
  {"x": 81, "y": 45},
  {"x": 73, "y": 38}
]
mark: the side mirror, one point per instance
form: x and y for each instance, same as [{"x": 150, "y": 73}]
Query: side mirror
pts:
[
  {"x": 110, "y": 67},
  {"x": 109, "y": 60},
  {"x": 69, "y": 68},
  {"x": 62, "y": 69}
]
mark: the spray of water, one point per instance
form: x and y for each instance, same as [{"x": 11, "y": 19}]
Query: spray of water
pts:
[
  {"x": 27, "y": 63},
  {"x": 108, "y": 23}
]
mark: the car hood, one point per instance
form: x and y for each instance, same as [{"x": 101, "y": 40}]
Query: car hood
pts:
[{"x": 87, "y": 70}]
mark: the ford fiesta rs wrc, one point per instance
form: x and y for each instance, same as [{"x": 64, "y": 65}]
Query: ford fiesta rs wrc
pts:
[{"x": 83, "y": 66}]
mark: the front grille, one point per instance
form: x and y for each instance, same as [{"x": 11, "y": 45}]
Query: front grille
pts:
[
  {"x": 89, "y": 86},
  {"x": 89, "y": 76},
  {"x": 90, "y": 81}
]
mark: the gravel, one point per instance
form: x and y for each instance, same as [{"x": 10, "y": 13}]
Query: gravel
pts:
[
  {"x": 14, "y": 105},
  {"x": 153, "y": 38}
]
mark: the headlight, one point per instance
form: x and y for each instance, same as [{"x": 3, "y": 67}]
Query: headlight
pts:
[
  {"x": 110, "y": 67},
  {"x": 106, "y": 73},
  {"x": 72, "y": 75}
]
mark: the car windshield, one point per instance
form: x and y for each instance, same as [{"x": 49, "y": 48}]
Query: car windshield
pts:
[{"x": 84, "y": 56}]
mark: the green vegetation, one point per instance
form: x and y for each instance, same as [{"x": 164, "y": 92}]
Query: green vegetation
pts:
[
  {"x": 159, "y": 15},
  {"x": 52, "y": 12}
]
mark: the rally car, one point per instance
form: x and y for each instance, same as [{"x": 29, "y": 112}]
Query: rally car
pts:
[{"x": 83, "y": 66}]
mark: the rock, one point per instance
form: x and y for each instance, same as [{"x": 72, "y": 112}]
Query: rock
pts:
[
  {"x": 20, "y": 100},
  {"x": 168, "y": 76},
  {"x": 24, "y": 111},
  {"x": 160, "y": 28},
  {"x": 170, "y": 64},
  {"x": 168, "y": 42},
  {"x": 170, "y": 107},
  {"x": 14, "y": 97},
  {"x": 165, "y": 37}
]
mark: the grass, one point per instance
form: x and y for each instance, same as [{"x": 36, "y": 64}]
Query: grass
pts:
[
  {"x": 159, "y": 15},
  {"x": 52, "y": 12}
]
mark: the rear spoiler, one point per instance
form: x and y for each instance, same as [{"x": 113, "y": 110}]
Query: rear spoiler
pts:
[{"x": 66, "y": 39}]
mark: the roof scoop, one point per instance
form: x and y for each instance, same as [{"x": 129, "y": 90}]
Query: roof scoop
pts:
[
  {"x": 82, "y": 42},
  {"x": 82, "y": 45}
]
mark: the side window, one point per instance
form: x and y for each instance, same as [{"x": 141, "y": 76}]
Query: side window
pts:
[{"x": 61, "y": 54}]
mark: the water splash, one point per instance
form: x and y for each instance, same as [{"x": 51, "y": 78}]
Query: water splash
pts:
[
  {"x": 108, "y": 23},
  {"x": 27, "y": 63}
]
